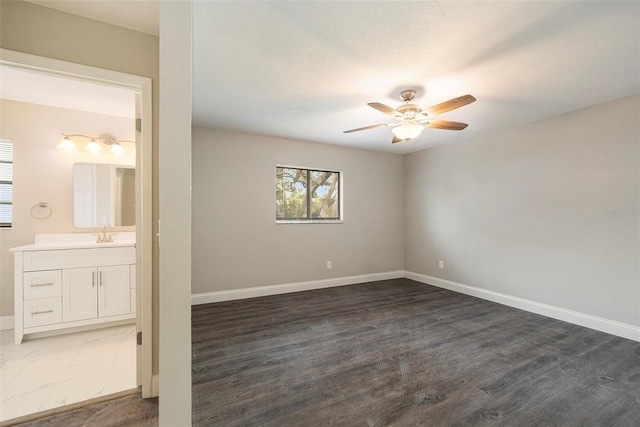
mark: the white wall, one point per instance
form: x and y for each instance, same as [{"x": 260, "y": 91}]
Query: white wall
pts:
[
  {"x": 236, "y": 242},
  {"x": 546, "y": 211},
  {"x": 43, "y": 173}
]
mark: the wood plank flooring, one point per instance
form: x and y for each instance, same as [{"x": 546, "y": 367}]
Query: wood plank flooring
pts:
[{"x": 401, "y": 353}]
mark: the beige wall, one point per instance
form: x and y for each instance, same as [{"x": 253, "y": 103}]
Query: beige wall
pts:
[
  {"x": 175, "y": 211},
  {"x": 546, "y": 211},
  {"x": 43, "y": 173},
  {"x": 28, "y": 28},
  {"x": 236, "y": 242}
]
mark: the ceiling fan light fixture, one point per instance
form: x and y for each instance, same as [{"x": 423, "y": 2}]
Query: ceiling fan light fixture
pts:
[
  {"x": 410, "y": 119},
  {"x": 407, "y": 131}
]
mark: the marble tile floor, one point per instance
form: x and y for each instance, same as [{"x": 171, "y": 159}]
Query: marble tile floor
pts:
[{"x": 50, "y": 372}]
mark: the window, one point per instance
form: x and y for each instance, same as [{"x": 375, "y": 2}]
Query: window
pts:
[
  {"x": 6, "y": 182},
  {"x": 307, "y": 195}
]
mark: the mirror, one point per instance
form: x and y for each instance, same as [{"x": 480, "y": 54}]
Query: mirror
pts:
[{"x": 103, "y": 195}]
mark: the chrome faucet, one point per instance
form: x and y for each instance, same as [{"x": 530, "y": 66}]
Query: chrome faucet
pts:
[{"x": 104, "y": 238}]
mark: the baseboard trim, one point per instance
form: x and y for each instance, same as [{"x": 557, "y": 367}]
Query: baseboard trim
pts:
[
  {"x": 598, "y": 323},
  {"x": 593, "y": 322},
  {"x": 6, "y": 323},
  {"x": 261, "y": 291}
]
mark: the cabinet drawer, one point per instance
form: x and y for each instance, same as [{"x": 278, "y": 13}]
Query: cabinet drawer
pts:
[
  {"x": 44, "y": 311},
  {"x": 42, "y": 284}
]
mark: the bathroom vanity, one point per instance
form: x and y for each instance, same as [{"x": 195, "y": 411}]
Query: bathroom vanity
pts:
[{"x": 70, "y": 282}]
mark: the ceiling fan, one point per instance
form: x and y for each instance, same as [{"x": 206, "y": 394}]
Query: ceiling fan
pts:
[{"x": 410, "y": 119}]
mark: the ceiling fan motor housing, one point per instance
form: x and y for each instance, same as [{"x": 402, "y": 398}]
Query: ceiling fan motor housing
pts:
[{"x": 409, "y": 111}]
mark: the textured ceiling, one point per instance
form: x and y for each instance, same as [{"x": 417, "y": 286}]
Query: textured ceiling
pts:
[{"x": 306, "y": 70}]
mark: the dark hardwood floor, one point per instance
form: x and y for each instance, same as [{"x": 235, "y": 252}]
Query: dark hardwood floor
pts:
[{"x": 401, "y": 353}]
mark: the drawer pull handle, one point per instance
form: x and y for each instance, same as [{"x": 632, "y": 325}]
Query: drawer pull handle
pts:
[
  {"x": 35, "y": 285},
  {"x": 93, "y": 279},
  {"x": 101, "y": 278},
  {"x": 42, "y": 312}
]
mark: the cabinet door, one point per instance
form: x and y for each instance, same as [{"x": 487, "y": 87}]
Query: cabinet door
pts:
[
  {"x": 79, "y": 294},
  {"x": 114, "y": 296}
]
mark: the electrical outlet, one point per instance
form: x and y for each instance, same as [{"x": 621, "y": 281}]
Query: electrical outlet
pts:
[
  {"x": 328, "y": 265},
  {"x": 440, "y": 264}
]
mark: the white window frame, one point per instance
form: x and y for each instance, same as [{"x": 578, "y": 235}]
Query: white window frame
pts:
[
  {"x": 8, "y": 225},
  {"x": 315, "y": 221}
]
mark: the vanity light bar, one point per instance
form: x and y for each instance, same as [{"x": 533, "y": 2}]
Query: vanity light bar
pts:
[{"x": 116, "y": 148}]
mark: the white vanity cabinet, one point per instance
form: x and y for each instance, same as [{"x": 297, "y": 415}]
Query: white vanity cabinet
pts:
[{"x": 58, "y": 288}]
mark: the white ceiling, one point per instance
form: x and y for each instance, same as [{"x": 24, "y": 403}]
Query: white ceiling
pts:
[
  {"x": 139, "y": 15},
  {"x": 306, "y": 70},
  {"x": 36, "y": 87}
]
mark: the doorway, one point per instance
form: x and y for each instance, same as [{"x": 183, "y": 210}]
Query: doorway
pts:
[{"x": 140, "y": 89}]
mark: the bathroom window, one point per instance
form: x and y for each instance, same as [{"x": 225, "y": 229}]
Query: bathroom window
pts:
[
  {"x": 308, "y": 195},
  {"x": 6, "y": 183}
]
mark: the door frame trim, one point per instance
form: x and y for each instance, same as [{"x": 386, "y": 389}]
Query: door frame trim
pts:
[{"x": 144, "y": 195}]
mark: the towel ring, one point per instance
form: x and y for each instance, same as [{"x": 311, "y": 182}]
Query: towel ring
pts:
[{"x": 43, "y": 205}]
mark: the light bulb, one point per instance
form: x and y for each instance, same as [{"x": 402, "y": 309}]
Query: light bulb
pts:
[
  {"x": 407, "y": 131},
  {"x": 93, "y": 146},
  {"x": 67, "y": 144},
  {"x": 117, "y": 149}
]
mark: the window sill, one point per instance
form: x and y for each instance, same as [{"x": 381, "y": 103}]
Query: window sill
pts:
[{"x": 309, "y": 221}]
